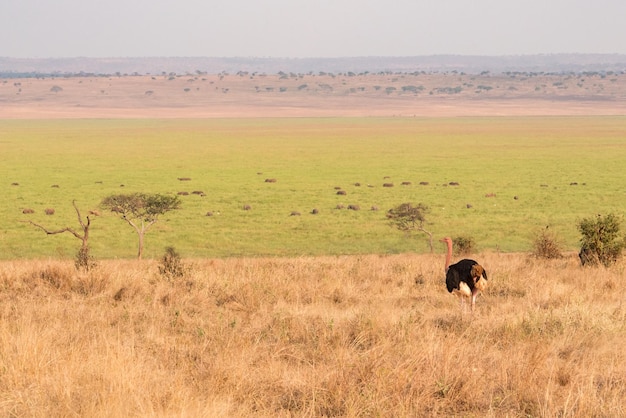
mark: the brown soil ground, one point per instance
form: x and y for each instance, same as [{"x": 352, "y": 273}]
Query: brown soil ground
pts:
[{"x": 312, "y": 95}]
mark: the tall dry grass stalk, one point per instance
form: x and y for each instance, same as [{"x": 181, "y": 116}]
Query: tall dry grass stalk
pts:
[{"x": 308, "y": 337}]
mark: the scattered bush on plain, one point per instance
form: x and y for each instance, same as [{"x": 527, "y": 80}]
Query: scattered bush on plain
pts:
[
  {"x": 172, "y": 266},
  {"x": 546, "y": 244},
  {"x": 84, "y": 260},
  {"x": 601, "y": 242},
  {"x": 464, "y": 245}
]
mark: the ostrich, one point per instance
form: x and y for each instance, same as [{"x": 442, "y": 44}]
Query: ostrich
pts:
[{"x": 464, "y": 278}]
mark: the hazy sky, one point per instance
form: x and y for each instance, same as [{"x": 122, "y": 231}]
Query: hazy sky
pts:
[{"x": 313, "y": 28}]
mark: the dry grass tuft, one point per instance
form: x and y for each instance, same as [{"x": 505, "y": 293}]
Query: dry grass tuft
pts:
[{"x": 325, "y": 336}]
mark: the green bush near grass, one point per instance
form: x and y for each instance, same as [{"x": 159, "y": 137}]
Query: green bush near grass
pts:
[{"x": 601, "y": 241}]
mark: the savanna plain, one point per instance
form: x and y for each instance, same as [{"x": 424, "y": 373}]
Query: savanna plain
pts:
[
  {"x": 497, "y": 180},
  {"x": 329, "y": 314}
]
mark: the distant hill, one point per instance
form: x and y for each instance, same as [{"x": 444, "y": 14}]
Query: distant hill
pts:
[{"x": 553, "y": 63}]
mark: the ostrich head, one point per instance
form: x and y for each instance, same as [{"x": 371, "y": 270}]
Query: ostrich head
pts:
[
  {"x": 447, "y": 240},
  {"x": 477, "y": 272}
]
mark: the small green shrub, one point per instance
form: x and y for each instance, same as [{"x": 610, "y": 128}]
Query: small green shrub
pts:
[
  {"x": 171, "y": 264},
  {"x": 600, "y": 242},
  {"x": 464, "y": 245},
  {"x": 546, "y": 244}
]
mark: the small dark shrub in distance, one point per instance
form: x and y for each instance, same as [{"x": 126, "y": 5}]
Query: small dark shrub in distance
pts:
[
  {"x": 84, "y": 260},
  {"x": 171, "y": 266},
  {"x": 464, "y": 245},
  {"x": 546, "y": 245}
]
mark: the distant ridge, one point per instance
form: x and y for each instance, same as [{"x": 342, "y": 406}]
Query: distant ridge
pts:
[{"x": 553, "y": 63}]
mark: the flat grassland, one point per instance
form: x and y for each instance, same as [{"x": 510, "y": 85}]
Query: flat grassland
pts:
[
  {"x": 346, "y": 336},
  {"x": 334, "y": 314},
  {"x": 314, "y": 95},
  {"x": 497, "y": 180}
]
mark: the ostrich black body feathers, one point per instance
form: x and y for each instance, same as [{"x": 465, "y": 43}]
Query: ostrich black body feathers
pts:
[
  {"x": 466, "y": 278},
  {"x": 467, "y": 271}
]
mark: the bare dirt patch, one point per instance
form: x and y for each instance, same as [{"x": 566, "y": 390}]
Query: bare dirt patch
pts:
[{"x": 312, "y": 95}]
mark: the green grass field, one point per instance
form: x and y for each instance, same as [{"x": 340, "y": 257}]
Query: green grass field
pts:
[{"x": 535, "y": 159}]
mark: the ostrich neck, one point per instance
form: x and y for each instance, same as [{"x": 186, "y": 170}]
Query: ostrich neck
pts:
[{"x": 448, "y": 254}]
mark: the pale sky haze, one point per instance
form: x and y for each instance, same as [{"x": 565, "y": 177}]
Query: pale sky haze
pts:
[{"x": 314, "y": 28}]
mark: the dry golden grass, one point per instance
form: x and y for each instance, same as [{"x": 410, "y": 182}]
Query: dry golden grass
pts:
[{"x": 328, "y": 336}]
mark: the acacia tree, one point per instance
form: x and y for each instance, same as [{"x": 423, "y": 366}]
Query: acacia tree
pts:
[
  {"x": 408, "y": 217},
  {"x": 83, "y": 259},
  {"x": 140, "y": 210}
]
